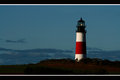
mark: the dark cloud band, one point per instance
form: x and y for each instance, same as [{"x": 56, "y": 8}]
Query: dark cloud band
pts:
[{"x": 16, "y": 41}]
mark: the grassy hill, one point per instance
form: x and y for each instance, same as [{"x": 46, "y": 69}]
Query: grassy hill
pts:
[{"x": 65, "y": 66}]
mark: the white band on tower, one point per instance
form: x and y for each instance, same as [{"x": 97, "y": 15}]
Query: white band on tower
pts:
[{"x": 79, "y": 37}]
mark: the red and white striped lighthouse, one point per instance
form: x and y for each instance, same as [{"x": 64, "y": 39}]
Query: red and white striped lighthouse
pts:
[{"x": 80, "y": 51}]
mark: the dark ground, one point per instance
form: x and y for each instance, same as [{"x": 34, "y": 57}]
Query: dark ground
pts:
[{"x": 64, "y": 66}]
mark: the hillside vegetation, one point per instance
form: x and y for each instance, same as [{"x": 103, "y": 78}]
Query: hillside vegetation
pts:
[{"x": 65, "y": 66}]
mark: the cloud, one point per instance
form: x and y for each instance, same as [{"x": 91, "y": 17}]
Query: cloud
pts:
[
  {"x": 11, "y": 56},
  {"x": 93, "y": 49},
  {"x": 103, "y": 54},
  {"x": 16, "y": 41},
  {"x": 44, "y": 50},
  {"x": 5, "y": 49}
]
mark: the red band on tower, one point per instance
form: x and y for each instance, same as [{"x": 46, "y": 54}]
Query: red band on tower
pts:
[{"x": 80, "y": 48}]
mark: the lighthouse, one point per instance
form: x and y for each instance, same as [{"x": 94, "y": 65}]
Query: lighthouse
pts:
[{"x": 80, "y": 51}]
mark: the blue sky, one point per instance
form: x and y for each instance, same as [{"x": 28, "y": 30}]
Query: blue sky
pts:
[{"x": 53, "y": 26}]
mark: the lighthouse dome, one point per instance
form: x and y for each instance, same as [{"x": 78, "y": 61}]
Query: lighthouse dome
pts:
[{"x": 81, "y": 20}]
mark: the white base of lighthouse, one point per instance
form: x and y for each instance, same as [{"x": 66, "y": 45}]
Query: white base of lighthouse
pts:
[{"x": 78, "y": 57}]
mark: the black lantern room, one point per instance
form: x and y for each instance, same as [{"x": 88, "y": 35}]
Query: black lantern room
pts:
[{"x": 81, "y": 25}]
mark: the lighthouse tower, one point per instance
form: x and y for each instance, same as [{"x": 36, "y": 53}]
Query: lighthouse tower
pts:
[{"x": 80, "y": 51}]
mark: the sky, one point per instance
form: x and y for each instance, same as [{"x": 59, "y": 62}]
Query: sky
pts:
[{"x": 54, "y": 26}]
